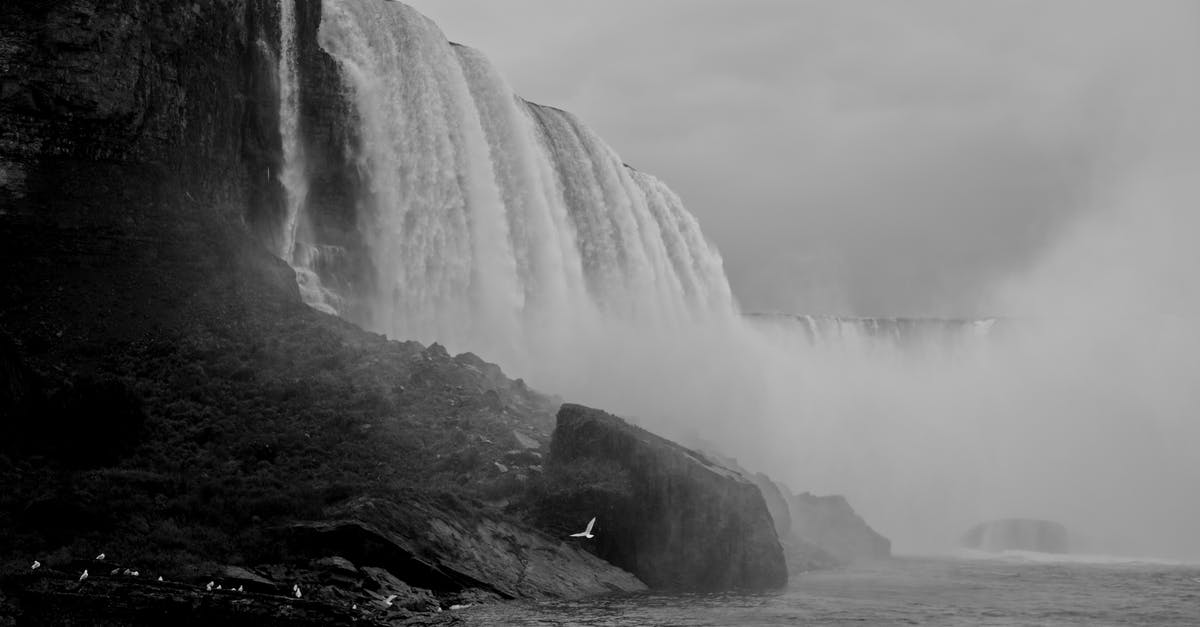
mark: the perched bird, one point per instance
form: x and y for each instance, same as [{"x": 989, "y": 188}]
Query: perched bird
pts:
[
  {"x": 460, "y": 606},
  {"x": 241, "y": 589},
  {"x": 36, "y": 565},
  {"x": 354, "y": 606},
  {"x": 586, "y": 533},
  {"x": 100, "y": 557},
  {"x": 210, "y": 585},
  {"x": 125, "y": 572},
  {"x": 84, "y": 575},
  {"x": 136, "y": 574},
  {"x": 388, "y": 601},
  {"x": 160, "y": 577},
  {"x": 218, "y": 586},
  {"x": 296, "y": 589}
]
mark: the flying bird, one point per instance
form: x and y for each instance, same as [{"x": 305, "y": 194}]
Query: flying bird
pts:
[
  {"x": 114, "y": 572},
  {"x": 36, "y": 565},
  {"x": 460, "y": 606},
  {"x": 210, "y": 585},
  {"x": 84, "y": 575},
  {"x": 586, "y": 533},
  {"x": 100, "y": 557},
  {"x": 388, "y": 601}
]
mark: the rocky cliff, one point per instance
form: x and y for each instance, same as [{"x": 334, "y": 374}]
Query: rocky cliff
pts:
[{"x": 664, "y": 512}]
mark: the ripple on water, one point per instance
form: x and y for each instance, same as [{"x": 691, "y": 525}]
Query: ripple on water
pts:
[{"x": 903, "y": 591}]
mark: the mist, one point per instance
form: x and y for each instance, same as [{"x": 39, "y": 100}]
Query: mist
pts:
[
  {"x": 1078, "y": 404},
  {"x": 1082, "y": 406},
  {"x": 1079, "y": 407}
]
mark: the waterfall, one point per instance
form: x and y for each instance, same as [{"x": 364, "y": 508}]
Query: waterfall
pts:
[
  {"x": 498, "y": 225},
  {"x": 291, "y": 176},
  {"x": 468, "y": 216},
  {"x": 948, "y": 337},
  {"x": 301, "y": 255}
]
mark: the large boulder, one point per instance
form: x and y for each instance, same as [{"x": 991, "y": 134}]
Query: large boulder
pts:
[
  {"x": 664, "y": 512},
  {"x": 1018, "y": 534}
]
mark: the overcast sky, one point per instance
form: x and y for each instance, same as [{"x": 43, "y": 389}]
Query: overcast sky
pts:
[{"x": 849, "y": 157}]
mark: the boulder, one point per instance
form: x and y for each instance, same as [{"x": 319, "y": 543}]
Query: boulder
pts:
[{"x": 664, "y": 512}]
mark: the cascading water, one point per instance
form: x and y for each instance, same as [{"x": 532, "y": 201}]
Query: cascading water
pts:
[
  {"x": 291, "y": 176},
  {"x": 507, "y": 228},
  {"x": 301, "y": 255},
  {"x": 498, "y": 225}
]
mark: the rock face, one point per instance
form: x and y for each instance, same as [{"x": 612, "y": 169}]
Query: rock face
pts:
[
  {"x": 1018, "y": 534},
  {"x": 446, "y": 547},
  {"x": 664, "y": 512},
  {"x": 831, "y": 524},
  {"x": 816, "y": 532}
]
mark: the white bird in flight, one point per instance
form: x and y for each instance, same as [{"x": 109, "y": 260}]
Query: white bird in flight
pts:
[
  {"x": 36, "y": 565},
  {"x": 388, "y": 601},
  {"x": 586, "y": 533},
  {"x": 100, "y": 557},
  {"x": 84, "y": 575},
  {"x": 210, "y": 585}
]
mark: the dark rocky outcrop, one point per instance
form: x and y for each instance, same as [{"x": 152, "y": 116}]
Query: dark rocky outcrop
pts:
[
  {"x": 664, "y": 512},
  {"x": 831, "y": 524},
  {"x": 447, "y": 547},
  {"x": 1018, "y": 534},
  {"x": 816, "y": 532}
]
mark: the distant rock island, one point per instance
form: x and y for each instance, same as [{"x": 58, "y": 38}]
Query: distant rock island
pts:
[{"x": 1018, "y": 534}]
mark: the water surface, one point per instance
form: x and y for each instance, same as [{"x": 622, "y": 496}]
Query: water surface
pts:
[{"x": 1018, "y": 590}]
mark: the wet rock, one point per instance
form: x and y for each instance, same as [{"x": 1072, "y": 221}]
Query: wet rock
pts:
[
  {"x": 233, "y": 576},
  {"x": 829, "y": 523},
  {"x": 449, "y": 550},
  {"x": 672, "y": 518}
]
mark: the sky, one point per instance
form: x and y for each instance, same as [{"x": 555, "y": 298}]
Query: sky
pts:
[{"x": 851, "y": 157}]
